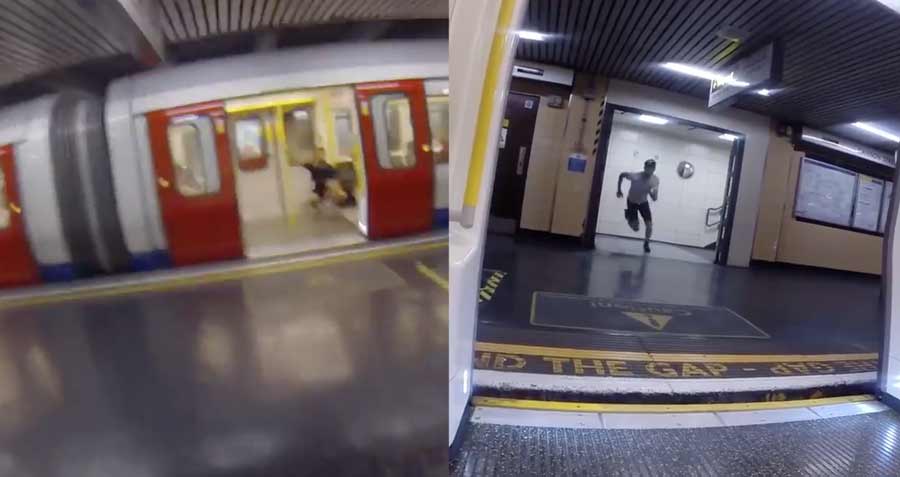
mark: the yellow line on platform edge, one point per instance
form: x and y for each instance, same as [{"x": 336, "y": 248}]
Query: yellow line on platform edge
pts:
[
  {"x": 222, "y": 276},
  {"x": 432, "y": 275},
  {"x": 667, "y": 357},
  {"x": 661, "y": 408}
]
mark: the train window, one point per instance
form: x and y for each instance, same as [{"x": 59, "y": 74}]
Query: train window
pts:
[
  {"x": 439, "y": 124},
  {"x": 394, "y": 139},
  {"x": 251, "y": 143},
  {"x": 299, "y": 128},
  {"x": 192, "y": 144},
  {"x": 4, "y": 206},
  {"x": 343, "y": 129}
]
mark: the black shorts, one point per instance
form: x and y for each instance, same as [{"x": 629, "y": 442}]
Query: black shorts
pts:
[{"x": 633, "y": 209}]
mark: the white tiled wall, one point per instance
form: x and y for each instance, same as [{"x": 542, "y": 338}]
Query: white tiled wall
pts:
[{"x": 679, "y": 214}]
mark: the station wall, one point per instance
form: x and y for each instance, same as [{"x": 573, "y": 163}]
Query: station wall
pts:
[
  {"x": 781, "y": 238},
  {"x": 572, "y": 188}
]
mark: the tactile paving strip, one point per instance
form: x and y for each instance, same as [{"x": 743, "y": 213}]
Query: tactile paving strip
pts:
[{"x": 859, "y": 446}]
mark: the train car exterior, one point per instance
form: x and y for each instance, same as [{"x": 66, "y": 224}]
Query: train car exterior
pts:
[
  {"x": 212, "y": 160},
  {"x": 58, "y": 219}
]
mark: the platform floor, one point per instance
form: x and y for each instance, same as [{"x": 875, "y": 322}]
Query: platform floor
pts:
[
  {"x": 804, "y": 311},
  {"x": 314, "y": 366},
  {"x": 824, "y": 441},
  {"x": 820, "y": 330},
  {"x": 615, "y": 245}
]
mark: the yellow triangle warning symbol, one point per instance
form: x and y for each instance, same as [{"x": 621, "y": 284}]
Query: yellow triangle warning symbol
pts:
[{"x": 655, "y": 321}]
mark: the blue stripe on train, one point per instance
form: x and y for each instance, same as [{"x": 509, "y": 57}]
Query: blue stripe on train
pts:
[
  {"x": 153, "y": 260},
  {"x": 441, "y": 218},
  {"x": 61, "y": 272}
]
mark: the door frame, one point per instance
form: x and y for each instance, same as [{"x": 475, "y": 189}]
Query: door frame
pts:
[
  {"x": 414, "y": 89},
  {"x": 602, "y": 151},
  {"x": 521, "y": 201}
]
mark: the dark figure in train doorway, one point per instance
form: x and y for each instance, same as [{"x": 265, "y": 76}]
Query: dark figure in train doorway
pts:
[{"x": 643, "y": 184}]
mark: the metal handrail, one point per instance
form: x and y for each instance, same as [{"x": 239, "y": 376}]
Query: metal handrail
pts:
[{"x": 714, "y": 211}]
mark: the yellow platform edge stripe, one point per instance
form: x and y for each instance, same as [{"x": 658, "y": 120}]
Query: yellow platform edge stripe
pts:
[
  {"x": 170, "y": 283},
  {"x": 537, "y": 405},
  {"x": 667, "y": 357},
  {"x": 432, "y": 275}
]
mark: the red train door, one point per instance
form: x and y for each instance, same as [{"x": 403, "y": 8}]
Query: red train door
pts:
[
  {"x": 399, "y": 166},
  {"x": 195, "y": 183},
  {"x": 17, "y": 266}
]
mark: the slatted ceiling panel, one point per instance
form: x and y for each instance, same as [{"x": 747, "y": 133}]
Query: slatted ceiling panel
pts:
[
  {"x": 842, "y": 58},
  {"x": 194, "y": 19},
  {"x": 41, "y": 35}
]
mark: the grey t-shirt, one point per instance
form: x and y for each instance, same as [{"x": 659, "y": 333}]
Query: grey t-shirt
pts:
[{"x": 641, "y": 186}]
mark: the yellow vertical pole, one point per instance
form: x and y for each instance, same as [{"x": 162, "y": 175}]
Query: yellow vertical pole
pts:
[{"x": 290, "y": 214}]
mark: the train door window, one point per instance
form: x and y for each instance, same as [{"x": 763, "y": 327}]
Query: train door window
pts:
[
  {"x": 299, "y": 125},
  {"x": 394, "y": 139},
  {"x": 192, "y": 146},
  {"x": 439, "y": 124},
  {"x": 251, "y": 143},
  {"x": 4, "y": 205},
  {"x": 343, "y": 129}
]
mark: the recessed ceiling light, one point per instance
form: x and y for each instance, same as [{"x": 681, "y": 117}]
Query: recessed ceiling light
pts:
[
  {"x": 532, "y": 35},
  {"x": 877, "y": 132},
  {"x": 728, "y": 137},
  {"x": 652, "y": 119},
  {"x": 764, "y": 92},
  {"x": 705, "y": 74}
]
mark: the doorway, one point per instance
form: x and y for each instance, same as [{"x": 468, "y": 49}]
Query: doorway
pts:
[
  {"x": 281, "y": 144},
  {"x": 697, "y": 167},
  {"x": 512, "y": 163}
]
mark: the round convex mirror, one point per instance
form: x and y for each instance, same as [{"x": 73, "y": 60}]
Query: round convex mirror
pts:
[{"x": 685, "y": 169}]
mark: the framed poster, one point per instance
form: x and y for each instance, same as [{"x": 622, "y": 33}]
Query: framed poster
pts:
[
  {"x": 825, "y": 193},
  {"x": 888, "y": 193},
  {"x": 867, "y": 210}
]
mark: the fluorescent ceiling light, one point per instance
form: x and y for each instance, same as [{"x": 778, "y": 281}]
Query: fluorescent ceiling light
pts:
[
  {"x": 652, "y": 119},
  {"x": 705, "y": 74},
  {"x": 532, "y": 35},
  {"x": 877, "y": 132},
  {"x": 810, "y": 137},
  {"x": 764, "y": 92},
  {"x": 728, "y": 137}
]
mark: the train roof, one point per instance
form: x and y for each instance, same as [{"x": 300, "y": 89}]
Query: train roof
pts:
[{"x": 303, "y": 67}]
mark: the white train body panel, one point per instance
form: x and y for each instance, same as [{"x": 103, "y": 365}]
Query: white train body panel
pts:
[{"x": 27, "y": 126}]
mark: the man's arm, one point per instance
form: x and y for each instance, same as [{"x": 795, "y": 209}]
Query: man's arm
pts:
[
  {"x": 654, "y": 192},
  {"x": 623, "y": 175}
]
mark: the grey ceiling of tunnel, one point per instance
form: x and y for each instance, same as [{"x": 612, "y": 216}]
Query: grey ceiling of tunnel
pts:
[
  {"x": 841, "y": 57},
  {"x": 194, "y": 19},
  {"x": 42, "y": 36}
]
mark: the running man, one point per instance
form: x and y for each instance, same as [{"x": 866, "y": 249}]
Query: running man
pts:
[{"x": 642, "y": 184}]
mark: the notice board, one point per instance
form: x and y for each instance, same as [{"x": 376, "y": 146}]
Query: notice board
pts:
[
  {"x": 825, "y": 193},
  {"x": 867, "y": 212},
  {"x": 885, "y": 204}
]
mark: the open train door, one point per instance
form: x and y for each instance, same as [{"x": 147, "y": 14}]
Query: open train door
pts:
[
  {"x": 195, "y": 183},
  {"x": 398, "y": 162},
  {"x": 17, "y": 266}
]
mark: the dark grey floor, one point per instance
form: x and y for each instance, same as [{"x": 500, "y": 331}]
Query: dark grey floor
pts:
[
  {"x": 858, "y": 446},
  {"x": 335, "y": 370},
  {"x": 804, "y": 310}
]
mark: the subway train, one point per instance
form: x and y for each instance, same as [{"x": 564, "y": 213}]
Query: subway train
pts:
[{"x": 242, "y": 157}]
